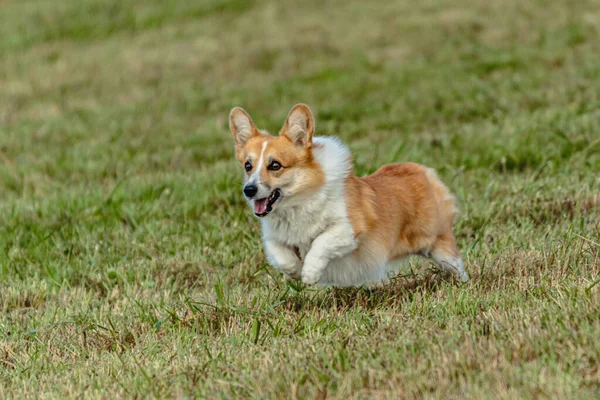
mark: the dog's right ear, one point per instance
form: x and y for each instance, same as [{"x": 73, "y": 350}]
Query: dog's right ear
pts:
[{"x": 241, "y": 126}]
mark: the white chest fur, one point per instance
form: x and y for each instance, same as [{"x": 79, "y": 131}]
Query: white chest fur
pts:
[{"x": 300, "y": 224}]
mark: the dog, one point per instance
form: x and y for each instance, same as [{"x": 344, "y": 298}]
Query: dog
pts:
[{"x": 323, "y": 224}]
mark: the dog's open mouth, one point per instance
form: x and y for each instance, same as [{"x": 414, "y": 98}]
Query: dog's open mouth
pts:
[{"x": 262, "y": 207}]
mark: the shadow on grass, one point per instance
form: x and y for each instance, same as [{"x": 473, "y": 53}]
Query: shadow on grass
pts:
[{"x": 399, "y": 290}]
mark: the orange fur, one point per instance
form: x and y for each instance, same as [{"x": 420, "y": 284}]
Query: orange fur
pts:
[
  {"x": 281, "y": 149},
  {"x": 402, "y": 209}
]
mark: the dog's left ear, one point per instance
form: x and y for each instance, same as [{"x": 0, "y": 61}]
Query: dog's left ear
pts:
[{"x": 299, "y": 126}]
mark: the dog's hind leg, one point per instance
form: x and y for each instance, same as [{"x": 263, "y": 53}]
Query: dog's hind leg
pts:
[{"x": 446, "y": 255}]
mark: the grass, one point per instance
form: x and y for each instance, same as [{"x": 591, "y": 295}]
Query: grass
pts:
[{"x": 130, "y": 266}]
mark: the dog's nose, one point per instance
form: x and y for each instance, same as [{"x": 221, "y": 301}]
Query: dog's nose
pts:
[{"x": 250, "y": 190}]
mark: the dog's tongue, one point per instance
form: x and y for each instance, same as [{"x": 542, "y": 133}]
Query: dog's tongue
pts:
[{"x": 260, "y": 206}]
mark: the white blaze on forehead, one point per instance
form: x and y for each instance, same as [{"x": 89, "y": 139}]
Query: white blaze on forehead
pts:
[
  {"x": 262, "y": 155},
  {"x": 256, "y": 175}
]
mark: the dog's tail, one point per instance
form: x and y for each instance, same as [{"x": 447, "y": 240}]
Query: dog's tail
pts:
[{"x": 447, "y": 202}]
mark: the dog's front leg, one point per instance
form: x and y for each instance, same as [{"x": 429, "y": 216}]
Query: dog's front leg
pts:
[
  {"x": 335, "y": 242},
  {"x": 283, "y": 258}
]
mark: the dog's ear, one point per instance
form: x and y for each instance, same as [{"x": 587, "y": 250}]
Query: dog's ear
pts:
[
  {"x": 299, "y": 126},
  {"x": 241, "y": 126}
]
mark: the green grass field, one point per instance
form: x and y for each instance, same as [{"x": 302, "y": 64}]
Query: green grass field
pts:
[{"x": 130, "y": 265}]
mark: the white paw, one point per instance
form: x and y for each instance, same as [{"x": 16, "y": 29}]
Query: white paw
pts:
[
  {"x": 292, "y": 274},
  {"x": 311, "y": 277},
  {"x": 463, "y": 276},
  {"x": 292, "y": 271}
]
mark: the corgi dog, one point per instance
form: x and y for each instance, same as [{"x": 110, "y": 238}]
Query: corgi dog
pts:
[{"x": 323, "y": 224}]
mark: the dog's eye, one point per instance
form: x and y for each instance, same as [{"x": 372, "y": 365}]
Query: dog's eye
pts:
[
  {"x": 274, "y": 166},
  {"x": 248, "y": 166}
]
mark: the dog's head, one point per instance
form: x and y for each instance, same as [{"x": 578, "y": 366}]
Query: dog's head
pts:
[{"x": 280, "y": 170}]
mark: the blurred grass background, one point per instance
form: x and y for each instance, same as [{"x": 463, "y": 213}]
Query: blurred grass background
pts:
[{"x": 130, "y": 266}]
